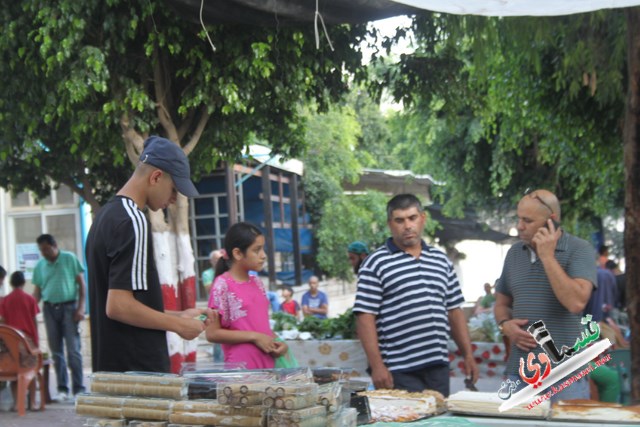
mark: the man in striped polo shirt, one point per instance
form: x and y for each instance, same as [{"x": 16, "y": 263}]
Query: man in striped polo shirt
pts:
[
  {"x": 408, "y": 304},
  {"x": 549, "y": 275}
]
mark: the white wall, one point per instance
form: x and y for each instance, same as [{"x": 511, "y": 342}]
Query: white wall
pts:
[{"x": 483, "y": 264}]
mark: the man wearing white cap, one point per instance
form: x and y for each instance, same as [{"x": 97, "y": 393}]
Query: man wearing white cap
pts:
[{"x": 128, "y": 321}]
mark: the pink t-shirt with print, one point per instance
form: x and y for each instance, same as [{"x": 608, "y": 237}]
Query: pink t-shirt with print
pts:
[{"x": 242, "y": 306}]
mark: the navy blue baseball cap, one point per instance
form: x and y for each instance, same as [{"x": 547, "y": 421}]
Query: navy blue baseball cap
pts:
[{"x": 169, "y": 157}]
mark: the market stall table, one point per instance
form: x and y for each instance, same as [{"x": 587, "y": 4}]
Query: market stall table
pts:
[
  {"x": 330, "y": 353},
  {"x": 449, "y": 420},
  {"x": 490, "y": 357}
]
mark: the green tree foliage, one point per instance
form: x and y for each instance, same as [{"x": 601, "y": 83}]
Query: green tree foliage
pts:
[
  {"x": 373, "y": 143},
  {"x": 330, "y": 159},
  {"x": 348, "y": 218},
  {"x": 81, "y": 76},
  {"x": 498, "y": 105},
  {"x": 334, "y": 157}
]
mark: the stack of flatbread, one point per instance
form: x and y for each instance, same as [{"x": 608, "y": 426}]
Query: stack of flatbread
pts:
[
  {"x": 403, "y": 406},
  {"x": 487, "y": 404},
  {"x": 591, "y": 410}
]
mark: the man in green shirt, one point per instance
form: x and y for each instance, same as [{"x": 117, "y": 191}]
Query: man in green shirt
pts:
[{"x": 59, "y": 282}]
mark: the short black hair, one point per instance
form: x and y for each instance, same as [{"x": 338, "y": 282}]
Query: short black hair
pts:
[
  {"x": 611, "y": 265},
  {"x": 288, "y": 288},
  {"x": 48, "y": 239},
  {"x": 17, "y": 279},
  {"x": 603, "y": 249},
  {"x": 3, "y": 272},
  {"x": 403, "y": 201}
]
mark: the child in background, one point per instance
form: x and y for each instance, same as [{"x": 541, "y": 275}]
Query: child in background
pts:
[
  {"x": 242, "y": 325},
  {"x": 289, "y": 305},
  {"x": 19, "y": 309}
]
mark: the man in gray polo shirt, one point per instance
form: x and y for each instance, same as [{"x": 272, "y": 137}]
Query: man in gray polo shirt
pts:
[{"x": 549, "y": 275}]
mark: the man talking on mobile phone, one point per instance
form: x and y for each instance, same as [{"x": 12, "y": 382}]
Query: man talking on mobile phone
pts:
[{"x": 548, "y": 275}]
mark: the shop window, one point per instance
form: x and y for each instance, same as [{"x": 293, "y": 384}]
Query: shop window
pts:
[
  {"x": 20, "y": 200},
  {"x": 27, "y": 229},
  {"x": 63, "y": 228},
  {"x": 64, "y": 195}
]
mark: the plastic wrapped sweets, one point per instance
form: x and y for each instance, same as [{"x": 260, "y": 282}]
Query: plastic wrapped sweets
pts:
[
  {"x": 312, "y": 416},
  {"x": 204, "y": 385},
  {"x": 99, "y": 406},
  {"x": 242, "y": 393},
  {"x": 213, "y": 413},
  {"x": 330, "y": 396},
  {"x": 140, "y": 384},
  {"x": 147, "y": 409},
  {"x": 290, "y": 395},
  {"x": 346, "y": 417}
]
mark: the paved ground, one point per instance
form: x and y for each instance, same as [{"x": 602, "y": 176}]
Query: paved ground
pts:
[{"x": 57, "y": 414}]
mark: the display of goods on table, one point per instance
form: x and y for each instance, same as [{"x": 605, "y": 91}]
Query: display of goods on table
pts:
[
  {"x": 487, "y": 404},
  {"x": 271, "y": 398},
  {"x": 403, "y": 406},
  {"x": 593, "y": 411},
  {"x": 489, "y": 356}
]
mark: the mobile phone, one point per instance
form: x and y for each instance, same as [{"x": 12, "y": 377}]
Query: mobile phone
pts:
[{"x": 556, "y": 224}]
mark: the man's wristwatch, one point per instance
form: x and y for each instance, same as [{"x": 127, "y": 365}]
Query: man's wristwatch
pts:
[{"x": 501, "y": 325}]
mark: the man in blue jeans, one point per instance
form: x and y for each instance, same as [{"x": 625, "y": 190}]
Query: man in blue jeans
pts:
[{"x": 59, "y": 282}]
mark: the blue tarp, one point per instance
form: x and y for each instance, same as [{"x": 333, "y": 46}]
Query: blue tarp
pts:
[
  {"x": 289, "y": 277},
  {"x": 284, "y": 240}
]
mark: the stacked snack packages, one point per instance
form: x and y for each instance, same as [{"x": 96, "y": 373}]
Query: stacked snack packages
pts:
[
  {"x": 271, "y": 398},
  {"x": 117, "y": 397},
  {"x": 201, "y": 412}
]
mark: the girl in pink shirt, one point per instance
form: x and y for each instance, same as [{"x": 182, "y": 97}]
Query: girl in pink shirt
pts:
[{"x": 242, "y": 325}]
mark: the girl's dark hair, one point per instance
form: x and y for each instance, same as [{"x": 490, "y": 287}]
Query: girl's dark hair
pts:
[
  {"x": 17, "y": 279},
  {"x": 240, "y": 235}
]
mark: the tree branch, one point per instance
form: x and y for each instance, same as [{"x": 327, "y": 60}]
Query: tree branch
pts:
[
  {"x": 160, "y": 87},
  {"x": 133, "y": 141},
  {"x": 195, "y": 138},
  {"x": 186, "y": 124},
  {"x": 89, "y": 195}
]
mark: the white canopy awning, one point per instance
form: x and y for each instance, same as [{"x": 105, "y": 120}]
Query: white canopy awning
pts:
[{"x": 517, "y": 7}]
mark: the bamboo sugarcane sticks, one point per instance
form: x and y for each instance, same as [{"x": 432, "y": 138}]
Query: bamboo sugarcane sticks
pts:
[
  {"x": 114, "y": 377},
  {"x": 99, "y": 411},
  {"x": 139, "y": 389},
  {"x": 216, "y": 408},
  {"x": 208, "y": 418},
  {"x": 296, "y": 415}
]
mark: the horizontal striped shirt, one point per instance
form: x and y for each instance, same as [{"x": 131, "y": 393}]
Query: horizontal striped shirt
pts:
[
  {"x": 410, "y": 298},
  {"x": 524, "y": 280}
]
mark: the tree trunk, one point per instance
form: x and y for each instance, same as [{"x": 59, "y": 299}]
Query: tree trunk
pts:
[
  {"x": 632, "y": 196},
  {"x": 175, "y": 262}
]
